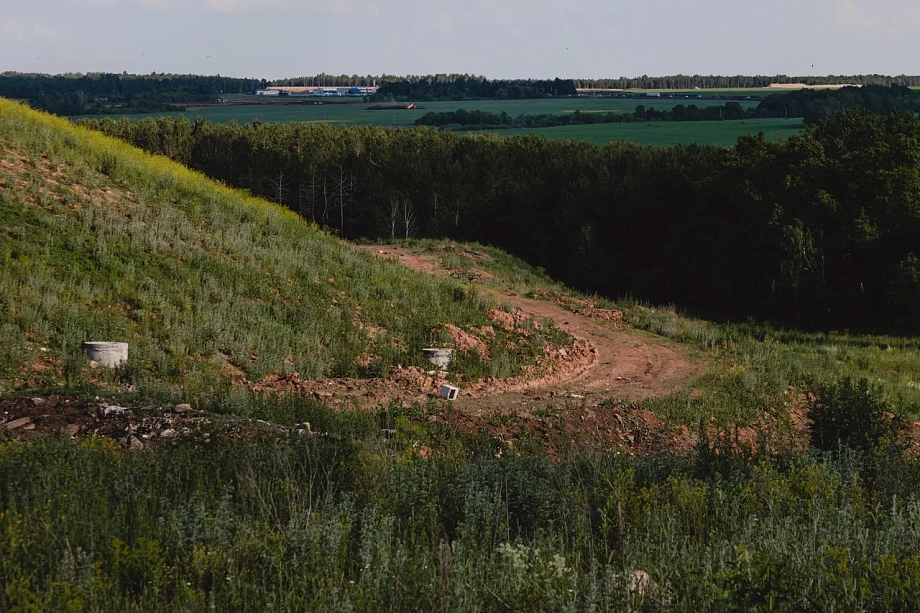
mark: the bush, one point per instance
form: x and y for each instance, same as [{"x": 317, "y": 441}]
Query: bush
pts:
[{"x": 854, "y": 415}]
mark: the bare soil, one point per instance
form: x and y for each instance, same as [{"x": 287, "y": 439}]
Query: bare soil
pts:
[{"x": 607, "y": 360}]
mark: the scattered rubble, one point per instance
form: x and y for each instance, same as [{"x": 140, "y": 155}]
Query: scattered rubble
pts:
[
  {"x": 113, "y": 410},
  {"x": 18, "y": 423}
]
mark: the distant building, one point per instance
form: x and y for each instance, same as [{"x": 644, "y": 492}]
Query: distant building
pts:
[
  {"x": 266, "y": 92},
  {"x": 652, "y": 95}
]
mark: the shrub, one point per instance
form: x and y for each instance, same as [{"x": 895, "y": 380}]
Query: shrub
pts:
[{"x": 854, "y": 415}]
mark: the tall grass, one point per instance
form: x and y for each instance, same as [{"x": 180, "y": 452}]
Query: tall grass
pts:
[
  {"x": 99, "y": 241},
  {"x": 364, "y": 524}
]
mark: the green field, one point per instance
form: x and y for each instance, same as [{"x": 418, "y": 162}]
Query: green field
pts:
[
  {"x": 357, "y": 113},
  {"x": 658, "y": 134},
  {"x": 663, "y": 134}
]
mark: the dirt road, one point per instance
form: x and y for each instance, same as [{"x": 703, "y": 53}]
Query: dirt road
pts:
[{"x": 618, "y": 362}]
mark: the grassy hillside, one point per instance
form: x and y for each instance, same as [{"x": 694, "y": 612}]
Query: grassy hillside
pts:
[{"x": 99, "y": 241}]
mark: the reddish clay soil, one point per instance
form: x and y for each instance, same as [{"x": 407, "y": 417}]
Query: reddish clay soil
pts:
[{"x": 606, "y": 360}]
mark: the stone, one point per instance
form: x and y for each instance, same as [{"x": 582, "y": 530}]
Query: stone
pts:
[
  {"x": 38, "y": 401},
  {"x": 111, "y": 409},
  {"x": 72, "y": 429},
  {"x": 18, "y": 423},
  {"x": 449, "y": 392},
  {"x": 108, "y": 355},
  {"x": 183, "y": 408},
  {"x": 169, "y": 433}
]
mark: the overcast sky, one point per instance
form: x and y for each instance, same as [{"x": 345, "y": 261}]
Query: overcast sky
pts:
[{"x": 497, "y": 38}]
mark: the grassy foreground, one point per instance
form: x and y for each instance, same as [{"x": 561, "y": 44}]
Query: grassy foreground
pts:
[{"x": 99, "y": 239}]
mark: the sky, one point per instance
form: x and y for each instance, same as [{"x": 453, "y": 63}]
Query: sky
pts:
[{"x": 497, "y": 38}]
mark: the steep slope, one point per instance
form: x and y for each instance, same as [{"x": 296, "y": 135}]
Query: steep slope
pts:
[{"x": 211, "y": 287}]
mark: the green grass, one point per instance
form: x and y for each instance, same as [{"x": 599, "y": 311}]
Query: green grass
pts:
[
  {"x": 353, "y": 522},
  {"x": 99, "y": 241}
]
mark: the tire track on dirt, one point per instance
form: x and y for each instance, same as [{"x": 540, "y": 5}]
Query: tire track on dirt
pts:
[{"x": 618, "y": 362}]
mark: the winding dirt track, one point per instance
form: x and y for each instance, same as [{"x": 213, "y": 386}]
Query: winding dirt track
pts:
[{"x": 618, "y": 363}]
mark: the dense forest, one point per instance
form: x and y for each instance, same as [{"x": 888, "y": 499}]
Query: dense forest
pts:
[
  {"x": 472, "y": 88},
  {"x": 822, "y": 229},
  {"x": 101, "y": 93}
]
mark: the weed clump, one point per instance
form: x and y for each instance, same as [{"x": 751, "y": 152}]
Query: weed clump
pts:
[{"x": 852, "y": 414}]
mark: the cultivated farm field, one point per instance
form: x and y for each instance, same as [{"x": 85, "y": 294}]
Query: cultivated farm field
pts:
[
  {"x": 357, "y": 113},
  {"x": 659, "y": 134}
]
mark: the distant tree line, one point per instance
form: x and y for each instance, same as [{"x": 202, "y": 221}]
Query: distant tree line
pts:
[
  {"x": 643, "y": 82},
  {"x": 418, "y": 88},
  {"x": 822, "y": 229},
  {"x": 740, "y": 81},
  {"x": 817, "y": 104},
  {"x": 101, "y": 93},
  {"x": 472, "y": 88},
  {"x": 329, "y": 80}
]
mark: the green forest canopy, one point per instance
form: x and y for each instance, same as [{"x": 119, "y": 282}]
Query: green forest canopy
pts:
[{"x": 822, "y": 229}]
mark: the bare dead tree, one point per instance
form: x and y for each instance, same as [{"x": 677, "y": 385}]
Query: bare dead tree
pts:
[
  {"x": 408, "y": 217},
  {"x": 279, "y": 187},
  {"x": 344, "y": 183}
]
